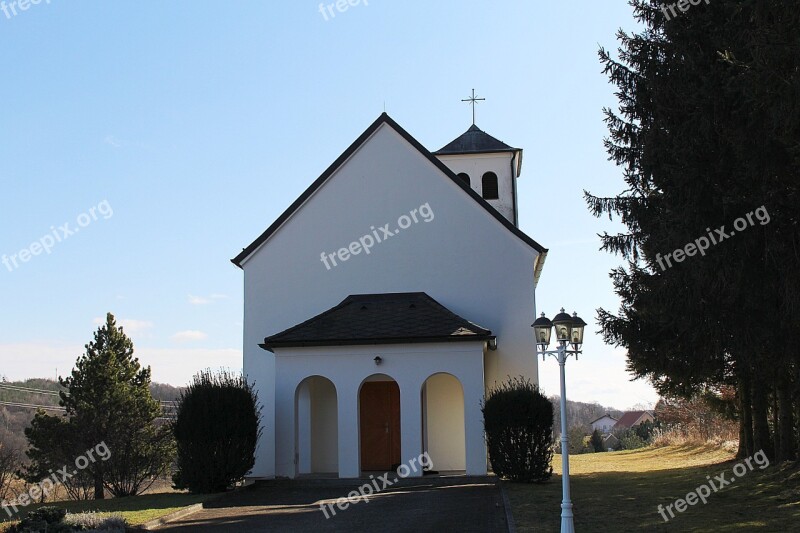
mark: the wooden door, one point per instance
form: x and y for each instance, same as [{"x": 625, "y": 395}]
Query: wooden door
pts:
[{"x": 380, "y": 425}]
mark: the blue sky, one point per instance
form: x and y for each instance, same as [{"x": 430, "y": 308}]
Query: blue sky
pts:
[{"x": 188, "y": 127}]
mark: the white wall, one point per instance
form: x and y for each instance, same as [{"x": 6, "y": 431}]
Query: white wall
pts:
[
  {"x": 444, "y": 422},
  {"x": 464, "y": 258},
  {"x": 410, "y": 366},
  {"x": 260, "y": 371},
  {"x": 476, "y": 165},
  {"x": 604, "y": 425}
]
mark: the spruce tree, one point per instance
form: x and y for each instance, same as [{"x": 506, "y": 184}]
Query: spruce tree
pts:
[
  {"x": 108, "y": 401},
  {"x": 708, "y": 131}
]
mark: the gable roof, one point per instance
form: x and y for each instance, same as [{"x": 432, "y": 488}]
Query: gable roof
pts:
[
  {"x": 602, "y": 417},
  {"x": 474, "y": 141},
  {"x": 392, "y": 318},
  {"x": 381, "y": 120},
  {"x": 630, "y": 418}
]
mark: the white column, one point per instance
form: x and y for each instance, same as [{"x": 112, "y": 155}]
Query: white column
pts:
[
  {"x": 349, "y": 443},
  {"x": 410, "y": 424},
  {"x": 285, "y": 429},
  {"x": 304, "y": 428},
  {"x": 473, "y": 422}
]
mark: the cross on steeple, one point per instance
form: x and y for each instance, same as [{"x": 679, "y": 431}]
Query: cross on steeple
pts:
[{"x": 473, "y": 101}]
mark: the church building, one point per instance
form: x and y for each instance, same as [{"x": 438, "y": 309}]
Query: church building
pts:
[{"x": 384, "y": 302}]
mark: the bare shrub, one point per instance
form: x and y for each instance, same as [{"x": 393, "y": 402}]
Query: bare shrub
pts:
[
  {"x": 692, "y": 422},
  {"x": 9, "y": 462}
]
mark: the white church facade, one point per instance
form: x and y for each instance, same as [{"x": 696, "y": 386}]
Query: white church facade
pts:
[{"x": 381, "y": 305}]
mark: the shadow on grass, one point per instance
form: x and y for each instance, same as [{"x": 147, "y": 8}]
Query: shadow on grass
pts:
[
  {"x": 761, "y": 500},
  {"x": 136, "y": 509}
]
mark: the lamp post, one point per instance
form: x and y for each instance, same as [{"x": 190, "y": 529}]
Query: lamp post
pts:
[{"x": 569, "y": 330}]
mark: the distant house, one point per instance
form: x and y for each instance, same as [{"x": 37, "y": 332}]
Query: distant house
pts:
[
  {"x": 604, "y": 423},
  {"x": 632, "y": 419},
  {"x": 610, "y": 442}
]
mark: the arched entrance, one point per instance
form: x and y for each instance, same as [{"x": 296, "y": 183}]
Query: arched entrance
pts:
[
  {"x": 379, "y": 423},
  {"x": 317, "y": 426},
  {"x": 443, "y": 430}
]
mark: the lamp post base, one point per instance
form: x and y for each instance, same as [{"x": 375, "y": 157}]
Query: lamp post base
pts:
[{"x": 566, "y": 518}]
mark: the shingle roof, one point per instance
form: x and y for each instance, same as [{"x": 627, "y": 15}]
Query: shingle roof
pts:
[
  {"x": 602, "y": 417},
  {"x": 628, "y": 419},
  {"x": 474, "y": 140},
  {"x": 380, "y": 319}
]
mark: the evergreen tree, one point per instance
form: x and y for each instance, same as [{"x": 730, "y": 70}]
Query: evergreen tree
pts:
[
  {"x": 709, "y": 132},
  {"x": 597, "y": 441},
  {"x": 54, "y": 444},
  {"x": 107, "y": 401}
]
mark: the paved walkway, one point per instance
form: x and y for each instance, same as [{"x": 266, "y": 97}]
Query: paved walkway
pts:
[{"x": 440, "y": 504}]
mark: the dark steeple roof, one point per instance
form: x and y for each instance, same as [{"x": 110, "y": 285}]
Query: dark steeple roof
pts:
[
  {"x": 473, "y": 141},
  {"x": 393, "y": 318}
]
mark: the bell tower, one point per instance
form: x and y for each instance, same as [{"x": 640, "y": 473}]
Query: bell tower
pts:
[{"x": 489, "y": 166}]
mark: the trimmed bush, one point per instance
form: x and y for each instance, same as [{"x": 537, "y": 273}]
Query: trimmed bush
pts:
[
  {"x": 518, "y": 420},
  {"x": 49, "y": 514},
  {"x": 43, "y": 519},
  {"x": 217, "y": 427}
]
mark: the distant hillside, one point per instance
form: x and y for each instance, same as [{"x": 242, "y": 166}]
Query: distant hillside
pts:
[
  {"x": 23, "y": 395},
  {"x": 19, "y": 401}
]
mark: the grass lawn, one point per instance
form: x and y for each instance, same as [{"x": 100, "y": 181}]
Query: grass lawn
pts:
[
  {"x": 622, "y": 490},
  {"x": 136, "y": 509}
]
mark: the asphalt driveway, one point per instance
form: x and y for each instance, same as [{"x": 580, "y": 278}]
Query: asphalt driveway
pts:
[{"x": 436, "y": 504}]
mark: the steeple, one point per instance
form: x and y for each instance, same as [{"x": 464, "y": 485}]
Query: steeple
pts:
[
  {"x": 488, "y": 165},
  {"x": 474, "y": 141}
]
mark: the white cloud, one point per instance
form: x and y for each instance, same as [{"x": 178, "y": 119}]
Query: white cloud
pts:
[
  {"x": 189, "y": 336},
  {"x": 178, "y": 366},
  {"x": 116, "y": 142},
  {"x": 38, "y": 359},
  {"x": 203, "y": 300},
  {"x": 113, "y": 141},
  {"x": 599, "y": 375},
  {"x": 173, "y": 366}
]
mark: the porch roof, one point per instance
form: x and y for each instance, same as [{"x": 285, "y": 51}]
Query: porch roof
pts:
[{"x": 394, "y": 318}]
